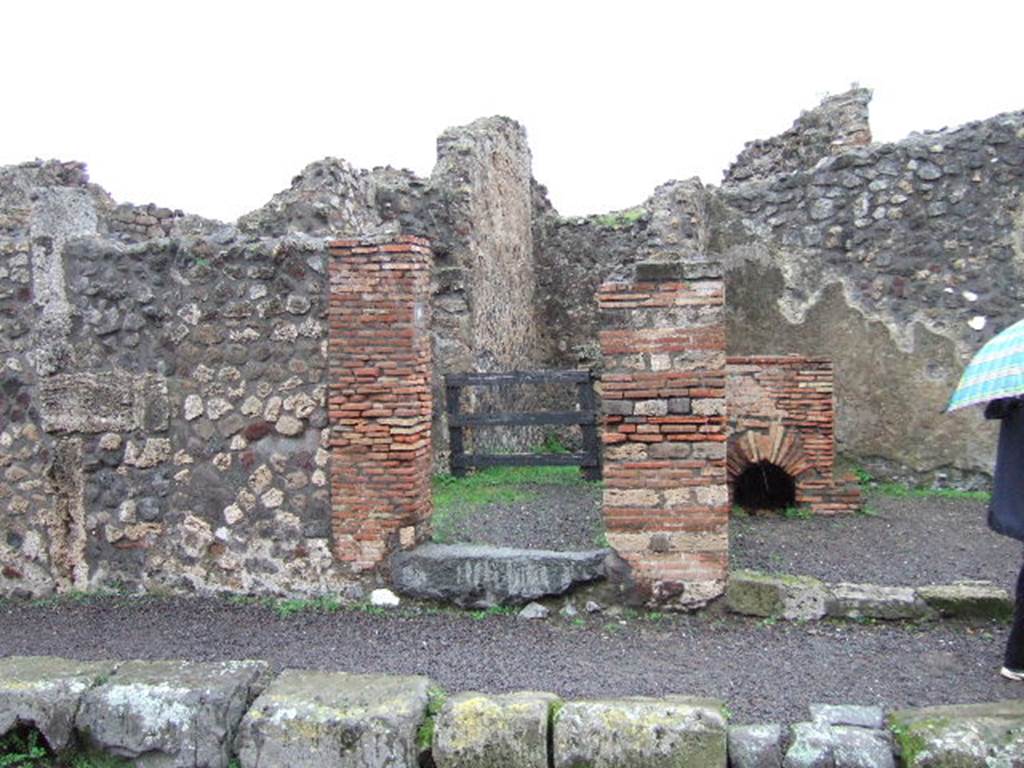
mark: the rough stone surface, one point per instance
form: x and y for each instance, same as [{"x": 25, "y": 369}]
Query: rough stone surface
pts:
[
  {"x": 45, "y": 692},
  {"x": 875, "y": 602},
  {"x": 475, "y": 730},
  {"x": 755, "y": 746},
  {"x": 637, "y": 732},
  {"x": 170, "y": 714},
  {"x": 533, "y": 611},
  {"x": 318, "y": 718},
  {"x": 474, "y": 576},
  {"x": 810, "y": 746},
  {"x": 862, "y": 748},
  {"x": 966, "y": 736},
  {"x": 968, "y": 600},
  {"x": 848, "y": 714},
  {"x": 776, "y": 595}
]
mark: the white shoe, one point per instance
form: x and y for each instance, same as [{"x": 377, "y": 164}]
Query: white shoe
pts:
[{"x": 1012, "y": 674}]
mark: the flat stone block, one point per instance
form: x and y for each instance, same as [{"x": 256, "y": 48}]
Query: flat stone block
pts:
[
  {"x": 854, "y": 747},
  {"x": 479, "y": 576},
  {"x": 753, "y": 593},
  {"x": 755, "y": 746},
  {"x": 328, "y": 719},
  {"x": 475, "y": 730},
  {"x": 639, "y": 732},
  {"x": 170, "y": 714},
  {"x": 872, "y": 601},
  {"x": 848, "y": 714},
  {"x": 810, "y": 746},
  {"x": 965, "y": 736},
  {"x": 968, "y": 600},
  {"x": 45, "y": 692}
]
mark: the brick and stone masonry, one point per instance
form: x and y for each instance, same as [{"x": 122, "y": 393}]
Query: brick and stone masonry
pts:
[
  {"x": 380, "y": 399},
  {"x": 666, "y": 502},
  {"x": 782, "y": 411}
]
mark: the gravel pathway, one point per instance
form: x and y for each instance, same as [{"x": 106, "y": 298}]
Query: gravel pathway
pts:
[
  {"x": 763, "y": 670},
  {"x": 906, "y": 541},
  {"x": 560, "y": 517}
]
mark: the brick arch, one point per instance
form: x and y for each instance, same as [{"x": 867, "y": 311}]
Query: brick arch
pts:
[{"x": 779, "y": 446}]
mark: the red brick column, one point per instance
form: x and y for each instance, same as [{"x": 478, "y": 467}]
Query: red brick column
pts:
[
  {"x": 663, "y": 397},
  {"x": 380, "y": 399}
]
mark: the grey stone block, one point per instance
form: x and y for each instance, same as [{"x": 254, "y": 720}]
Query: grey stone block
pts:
[
  {"x": 475, "y": 730},
  {"x": 755, "y": 746},
  {"x": 872, "y": 601},
  {"x": 968, "y": 600},
  {"x": 637, "y": 732},
  {"x": 754, "y": 593},
  {"x": 170, "y": 714},
  {"x": 320, "y": 719},
  {"x": 854, "y": 747},
  {"x": 479, "y": 577},
  {"x": 810, "y": 746},
  {"x": 965, "y": 736},
  {"x": 848, "y": 714},
  {"x": 44, "y": 692}
]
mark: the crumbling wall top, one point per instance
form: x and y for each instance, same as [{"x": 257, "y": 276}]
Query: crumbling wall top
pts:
[{"x": 835, "y": 125}]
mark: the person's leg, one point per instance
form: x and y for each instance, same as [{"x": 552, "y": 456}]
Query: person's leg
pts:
[{"x": 1014, "y": 658}]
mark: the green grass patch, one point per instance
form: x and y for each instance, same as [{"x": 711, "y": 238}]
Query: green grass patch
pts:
[
  {"x": 869, "y": 484},
  {"x": 620, "y": 219},
  {"x": 797, "y": 513},
  {"x": 900, "y": 491},
  {"x": 325, "y": 604}
]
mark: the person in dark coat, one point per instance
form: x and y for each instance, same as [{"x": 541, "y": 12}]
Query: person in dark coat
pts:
[{"x": 1006, "y": 512}]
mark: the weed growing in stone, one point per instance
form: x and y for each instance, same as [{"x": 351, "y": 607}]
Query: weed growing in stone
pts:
[
  {"x": 620, "y": 219},
  {"x": 797, "y": 513},
  {"x": 325, "y": 604},
  {"x": 25, "y": 748},
  {"x": 436, "y": 698},
  {"x": 22, "y": 749}
]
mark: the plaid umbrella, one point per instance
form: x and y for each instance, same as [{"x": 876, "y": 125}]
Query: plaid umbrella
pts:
[{"x": 996, "y": 371}]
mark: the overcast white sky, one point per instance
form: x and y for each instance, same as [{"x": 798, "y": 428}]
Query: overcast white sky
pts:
[{"x": 213, "y": 106}]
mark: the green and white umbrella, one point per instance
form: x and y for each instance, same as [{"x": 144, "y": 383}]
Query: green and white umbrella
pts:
[{"x": 996, "y": 371}]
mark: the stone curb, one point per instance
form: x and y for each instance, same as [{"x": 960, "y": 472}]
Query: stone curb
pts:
[
  {"x": 803, "y": 598},
  {"x": 180, "y": 714}
]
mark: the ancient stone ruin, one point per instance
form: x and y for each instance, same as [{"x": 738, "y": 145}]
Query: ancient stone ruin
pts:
[{"x": 197, "y": 406}]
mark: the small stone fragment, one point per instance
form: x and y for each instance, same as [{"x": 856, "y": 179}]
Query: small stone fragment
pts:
[
  {"x": 289, "y": 425},
  {"x": 384, "y": 598},
  {"x": 533, "y": 611},
  {"x": 193, "y": 407}
]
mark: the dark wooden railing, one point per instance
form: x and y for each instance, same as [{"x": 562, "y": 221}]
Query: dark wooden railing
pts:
[{"x": 588, "y": 458}]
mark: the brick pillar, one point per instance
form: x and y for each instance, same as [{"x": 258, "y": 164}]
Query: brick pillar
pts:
[
  {"x": 380, "y": 400},
  {"x": 666, "y": 499}
]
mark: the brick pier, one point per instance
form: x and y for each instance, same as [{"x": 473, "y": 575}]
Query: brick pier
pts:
[
  {"x": 666, "y": 500},
  {"x": 380, "y": 397}
]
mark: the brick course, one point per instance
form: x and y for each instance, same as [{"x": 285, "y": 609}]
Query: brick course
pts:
[
  {"x": 380, "y": 401},
  {"x": 664, "y": 432}
]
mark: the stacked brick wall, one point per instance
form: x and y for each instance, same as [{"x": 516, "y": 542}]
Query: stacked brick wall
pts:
[
  {"x": 380, "y": 401},
  {"x": 663, "y": 391},
  {"x": 782, "y": 410}
]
